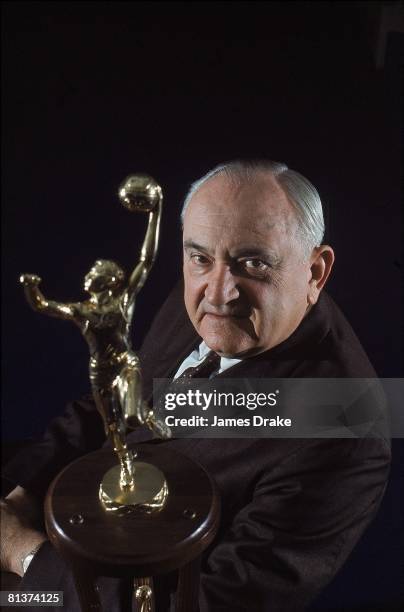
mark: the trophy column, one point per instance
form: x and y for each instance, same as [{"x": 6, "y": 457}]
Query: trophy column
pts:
[{"x": 134, "y": 545}]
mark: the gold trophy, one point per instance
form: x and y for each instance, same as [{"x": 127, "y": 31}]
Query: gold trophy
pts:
[
  {"x": 135, "y": 528},
  {"x": 105, "y": 320}
]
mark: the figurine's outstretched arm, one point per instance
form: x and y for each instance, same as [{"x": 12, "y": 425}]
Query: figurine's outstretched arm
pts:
[
  {"x": 147, "y": 255},
  {"x": 38, "y": 302}
]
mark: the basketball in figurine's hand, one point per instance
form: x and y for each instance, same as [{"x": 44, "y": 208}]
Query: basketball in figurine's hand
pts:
[{"x": 140, "y": 192}]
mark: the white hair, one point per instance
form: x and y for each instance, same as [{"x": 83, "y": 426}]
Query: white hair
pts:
[{"x": 301, "y": 193}]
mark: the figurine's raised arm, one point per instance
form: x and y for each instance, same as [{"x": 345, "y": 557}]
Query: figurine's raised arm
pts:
[
  {"x": 142, "y": 193},
  {"x": 148, "y": 252},
  {"x": 38, "y": 302}
]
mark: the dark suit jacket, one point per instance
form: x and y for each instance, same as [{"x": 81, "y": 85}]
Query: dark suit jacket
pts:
[{"x": 292, "y": 508}]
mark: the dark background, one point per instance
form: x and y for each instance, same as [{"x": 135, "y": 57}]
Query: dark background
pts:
[{"x": 93, "y": 91}]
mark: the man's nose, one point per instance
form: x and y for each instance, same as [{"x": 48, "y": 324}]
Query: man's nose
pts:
[{"x": 221, "y": 288}]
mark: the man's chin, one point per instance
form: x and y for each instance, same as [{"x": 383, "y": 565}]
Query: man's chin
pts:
[{"x": 233, "y": 343}]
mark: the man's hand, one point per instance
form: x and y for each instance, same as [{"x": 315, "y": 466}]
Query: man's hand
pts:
[{"x": 18, "y": 534}]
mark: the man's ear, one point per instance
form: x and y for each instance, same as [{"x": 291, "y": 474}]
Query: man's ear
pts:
[{"x": 321, "y": 262}]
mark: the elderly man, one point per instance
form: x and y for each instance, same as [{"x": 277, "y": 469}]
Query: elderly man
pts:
[{"x": 254, "y": 270}]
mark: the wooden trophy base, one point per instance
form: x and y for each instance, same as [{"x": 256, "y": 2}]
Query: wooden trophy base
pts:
[{"x": 100, "y": 543}]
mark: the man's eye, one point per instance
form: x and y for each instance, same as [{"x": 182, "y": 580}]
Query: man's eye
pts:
[
  {"x": 255, "y": 265},
  {"x": 198, "y": 259}
]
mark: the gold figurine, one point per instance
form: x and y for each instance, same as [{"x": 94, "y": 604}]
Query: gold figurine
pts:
[{"x": 104, "y": 320}]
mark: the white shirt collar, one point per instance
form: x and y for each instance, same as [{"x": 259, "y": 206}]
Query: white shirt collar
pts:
[{"x": 199, "y": 355}]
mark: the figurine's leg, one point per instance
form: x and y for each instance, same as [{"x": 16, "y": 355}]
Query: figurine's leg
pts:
[
  {"x": 103, "y": 401},
  {"x": 130, "y": 391},
  {"x": 108, "y": 404},
  {"x": 135, "y": 410}
]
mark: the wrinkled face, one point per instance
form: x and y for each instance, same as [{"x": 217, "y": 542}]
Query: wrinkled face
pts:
[{"x": 245, "y": 272}]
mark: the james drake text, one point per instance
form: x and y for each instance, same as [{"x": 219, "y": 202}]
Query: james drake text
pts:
[{"x": 200, "y": 421}]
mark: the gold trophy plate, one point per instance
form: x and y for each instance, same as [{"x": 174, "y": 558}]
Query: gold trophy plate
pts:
[{"x": 147, "y": 494}]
